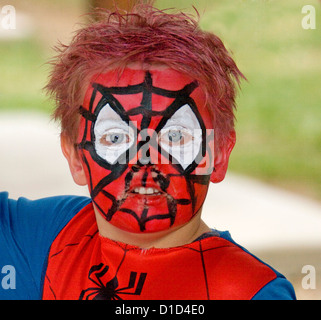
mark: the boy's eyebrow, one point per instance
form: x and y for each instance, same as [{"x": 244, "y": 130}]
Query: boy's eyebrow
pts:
[{"x": 87, "y": 114}]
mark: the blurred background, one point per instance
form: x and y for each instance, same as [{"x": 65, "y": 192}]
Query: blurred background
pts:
[{"x": 278, "y": 118}]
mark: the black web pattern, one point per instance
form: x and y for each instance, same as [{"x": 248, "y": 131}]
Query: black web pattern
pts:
[{"x": 181, "y": 97}]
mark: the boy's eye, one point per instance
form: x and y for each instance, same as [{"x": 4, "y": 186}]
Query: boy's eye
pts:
[
  {"x": 114, "y": 139},
  {"x": 176, "y": 137}
]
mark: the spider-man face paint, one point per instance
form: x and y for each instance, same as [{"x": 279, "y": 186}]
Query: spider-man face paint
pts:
[{"x": 145, "y": 148}]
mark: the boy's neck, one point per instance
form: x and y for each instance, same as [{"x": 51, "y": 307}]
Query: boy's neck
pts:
[{"x": 163, "y": 239}]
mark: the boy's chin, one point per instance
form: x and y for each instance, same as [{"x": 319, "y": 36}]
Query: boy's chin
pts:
[
  {"x": 145, "y": 213},
  {"x": 156, "y": 223}
]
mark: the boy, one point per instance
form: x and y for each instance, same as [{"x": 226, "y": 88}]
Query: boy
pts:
[{"x": 145, "y": 102}]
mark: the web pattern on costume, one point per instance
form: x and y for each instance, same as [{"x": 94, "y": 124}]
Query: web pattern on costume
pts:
[
  {"x": 181, "y": 97},
  {"x": 110, "y": 290},
  {"x": 105, "y": 286},
  {"x": 110, "y": 283}
]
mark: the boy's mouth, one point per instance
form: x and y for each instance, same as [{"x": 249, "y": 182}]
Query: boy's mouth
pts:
[
  {"x": 147, "y": 195},
  {"x": 147, "y": 191}
]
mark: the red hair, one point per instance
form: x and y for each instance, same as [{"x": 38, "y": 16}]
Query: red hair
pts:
[{"x": 149, "y": 35}]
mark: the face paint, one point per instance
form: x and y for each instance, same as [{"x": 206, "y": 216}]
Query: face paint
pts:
[{"x": 145, "y": 148}]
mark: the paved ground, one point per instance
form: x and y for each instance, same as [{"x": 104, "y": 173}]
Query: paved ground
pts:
[{"x": 283, "y": 229}]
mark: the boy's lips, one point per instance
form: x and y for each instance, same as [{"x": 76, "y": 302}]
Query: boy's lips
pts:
[
  {"x": 146, "y": 193},
  {"x": 150, "y": 191}
]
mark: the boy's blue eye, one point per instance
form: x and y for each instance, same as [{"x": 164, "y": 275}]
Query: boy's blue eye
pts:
[
  {"x": 175, "y": 135},
  {"x": 116, "y": 138}
]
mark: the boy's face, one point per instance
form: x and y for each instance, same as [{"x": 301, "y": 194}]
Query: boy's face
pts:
[{"x": 147, "y": 146}]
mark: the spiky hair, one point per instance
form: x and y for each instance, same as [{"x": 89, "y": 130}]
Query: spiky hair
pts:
[{"x": 114, "y": 39}]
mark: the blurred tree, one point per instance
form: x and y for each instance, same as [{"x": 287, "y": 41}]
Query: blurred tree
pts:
[{"x": 110, "y": 4}]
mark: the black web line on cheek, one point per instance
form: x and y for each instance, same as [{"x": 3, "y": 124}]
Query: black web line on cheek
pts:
[
  {"x": 164, "y": 182},
  {"x": 181, "y": 97},
  {"x": 200, "y": 179},
  {"x": 115, "y": 203},
  {"x": 88, "y": 117},
  {"x": 89, "y": 146}
]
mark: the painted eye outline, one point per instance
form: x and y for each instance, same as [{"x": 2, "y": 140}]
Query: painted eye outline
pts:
[
  {"x": 109, "y": 122},
  {"x": 183, "y": 119}
]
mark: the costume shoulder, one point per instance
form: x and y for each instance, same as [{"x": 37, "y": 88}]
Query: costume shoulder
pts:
[
  {"x": 246, "y": 271},
  {"x": 27, "y": 230}
]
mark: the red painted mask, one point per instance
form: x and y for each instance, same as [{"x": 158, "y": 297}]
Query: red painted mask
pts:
[{"x": 146, "y": 143}]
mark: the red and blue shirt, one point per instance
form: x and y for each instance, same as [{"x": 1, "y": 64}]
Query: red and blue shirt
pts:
[{"x": 55, "y": 248}]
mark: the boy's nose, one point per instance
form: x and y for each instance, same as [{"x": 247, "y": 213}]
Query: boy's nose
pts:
[{"x": 144, "y": 175}]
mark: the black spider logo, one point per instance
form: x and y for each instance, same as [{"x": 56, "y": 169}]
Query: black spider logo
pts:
[{"x": 110, "y": 290}]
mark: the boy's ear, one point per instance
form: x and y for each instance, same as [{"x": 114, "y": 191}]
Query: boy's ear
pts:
[
  {"x": 75, "y": 165},
  {"x": 221, "y": 158}
]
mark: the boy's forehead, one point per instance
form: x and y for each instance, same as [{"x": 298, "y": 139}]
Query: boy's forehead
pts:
[
  {"x": 159, "y": 77},
  {"x": 165, "y": 78}
]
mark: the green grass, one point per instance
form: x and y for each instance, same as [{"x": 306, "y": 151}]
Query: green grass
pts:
[
  {"x": 279, "y": 108},
  {"x": 278, "y": 118},
  {"x": 23, "y": 75}
]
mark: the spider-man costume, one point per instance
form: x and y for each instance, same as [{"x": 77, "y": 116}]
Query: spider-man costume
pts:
[
  {"x": 54, "y": 243},
  {"x": 214, "y": 267}
]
